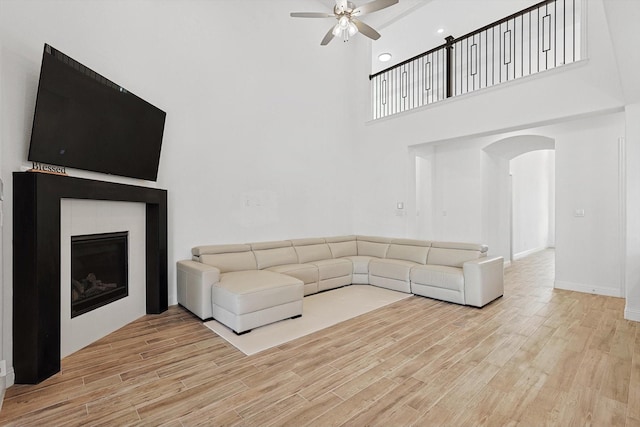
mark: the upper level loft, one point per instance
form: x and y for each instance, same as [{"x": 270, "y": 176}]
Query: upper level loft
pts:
[{"x": 541, "y": 37}]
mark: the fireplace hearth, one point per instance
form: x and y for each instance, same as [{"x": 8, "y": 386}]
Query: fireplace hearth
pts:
[{"x": 99, "y": 270}]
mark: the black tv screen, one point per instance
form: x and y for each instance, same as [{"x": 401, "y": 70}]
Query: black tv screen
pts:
[{"x": 83, "y": 120}]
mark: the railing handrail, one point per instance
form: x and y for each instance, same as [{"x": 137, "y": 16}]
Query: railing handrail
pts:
[{"x": 456, "y": 39}]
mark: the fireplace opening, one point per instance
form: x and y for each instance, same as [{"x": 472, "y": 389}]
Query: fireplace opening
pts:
[{"x": 99, "y": 270}]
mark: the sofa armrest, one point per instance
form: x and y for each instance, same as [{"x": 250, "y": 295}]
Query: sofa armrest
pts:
[
  {"x": 483, "y": 280},
  {"x": 195, "y": 280}
]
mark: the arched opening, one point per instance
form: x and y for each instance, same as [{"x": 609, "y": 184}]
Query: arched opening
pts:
[{"x": 531, "y": 192}]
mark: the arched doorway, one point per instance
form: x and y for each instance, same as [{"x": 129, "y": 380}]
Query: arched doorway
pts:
[
  {"x": 527, "y": 164},
  {"x": 530, "y": 162}
]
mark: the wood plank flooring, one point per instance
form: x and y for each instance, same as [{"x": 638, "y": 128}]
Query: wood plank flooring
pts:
[{"x": 537, "y": 356}]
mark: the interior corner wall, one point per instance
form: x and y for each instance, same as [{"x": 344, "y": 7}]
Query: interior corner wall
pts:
[
  {"x": 632, "y": 262},
  {"x": 258, "y": 141}
]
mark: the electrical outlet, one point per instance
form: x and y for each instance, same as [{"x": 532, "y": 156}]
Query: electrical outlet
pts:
[{"x": 3, "y": 368}]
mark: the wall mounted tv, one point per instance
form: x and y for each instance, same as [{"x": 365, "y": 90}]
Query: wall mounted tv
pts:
[{"x": 83, "y": 120}]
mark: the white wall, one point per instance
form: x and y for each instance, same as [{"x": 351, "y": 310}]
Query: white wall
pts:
[
  {"x": 632, "y": 184},
  {"x": 533, "y": 190},
  {"x": 588, "y": 254},
  {"x": 457, "y": 194},
  {"x": 258, "y": 138},
  {"x": 3, "y": 380},
  {"x": 424, "y": 197}
]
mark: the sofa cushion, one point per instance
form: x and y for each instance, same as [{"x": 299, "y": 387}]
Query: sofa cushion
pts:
[
  {"x": 360, "y": 263},
  {"x": 258, "y": 246},
  {"x": 342, "y": 246},
  {"x": 219, "y": 249},
  {"x": 227, "y": 262},
  {"x": 266, "y": 258},
  {"x": 308, "y": 273},
  {"x": 330, "y": 268},
  {"x": 451, "y": 257},
  {"x": 460, "y": 245},
  {"x": 308, "y": 241},
  {"x": 373, "y": 246},
  {"x": 412, "y": 253},
  {"x": 391, "y": 268},
  {"x": 247, "y": 291},
  {"x": 310, "y": 253},
  {"x": 439, "y": 276},
  {"x": 338, "y": 239}
]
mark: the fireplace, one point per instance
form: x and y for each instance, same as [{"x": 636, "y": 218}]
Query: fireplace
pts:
[
  {"x": 37, "y": 269},
  {"x": 99, "y": 270}
]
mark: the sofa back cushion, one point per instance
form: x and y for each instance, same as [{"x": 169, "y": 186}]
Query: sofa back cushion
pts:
[
  {"x": 279, "y": 256},
  {"x": 310, "y": 250},
  {"x": 219, "y": 249},
  {"x": 454, "y": 254},
  {"x": 373, "y": 246},
  {"x": 342, "y": 246},
  {"x": 408, "y": 252},
  {"x": 226, "y": 258}
]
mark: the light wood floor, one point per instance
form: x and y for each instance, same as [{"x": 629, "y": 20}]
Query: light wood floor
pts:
[{"x": 537, "y": 356}]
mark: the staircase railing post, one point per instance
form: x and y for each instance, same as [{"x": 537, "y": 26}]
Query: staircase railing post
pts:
[{"x": 449, "y": 75}]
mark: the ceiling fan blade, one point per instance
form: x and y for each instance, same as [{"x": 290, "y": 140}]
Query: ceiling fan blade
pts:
[
  {"x": 327, "y": 38},
  {"x": 311, "y": 15},
  {"x": 365, "y": 29},
  {"x": 373, "y": 6}
]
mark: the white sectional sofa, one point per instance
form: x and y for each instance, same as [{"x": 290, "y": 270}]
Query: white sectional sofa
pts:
[{"x": 249, "y": 285}]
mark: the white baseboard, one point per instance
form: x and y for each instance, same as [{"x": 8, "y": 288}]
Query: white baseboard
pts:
[
  {"x": 6, "y": 382},
  {"x": 632, "y": 314},
  {"x": 3, "y": 388},
  {"x": 588, "y": 289},
  {"x": 507, "y": 264},
  {"x": 11, "y": 376},
  {"x": 528, "y": 252},
  {"x": 172, "y": 300}
]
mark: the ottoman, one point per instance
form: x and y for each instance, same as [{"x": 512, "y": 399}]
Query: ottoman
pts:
[{"x": 243, "y": 300}]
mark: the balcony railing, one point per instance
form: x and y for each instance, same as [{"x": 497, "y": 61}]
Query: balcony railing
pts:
[{"x": 539, "y": 38}]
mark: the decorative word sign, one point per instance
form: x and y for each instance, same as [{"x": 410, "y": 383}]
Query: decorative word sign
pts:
[{"x": 42, "y": 167}]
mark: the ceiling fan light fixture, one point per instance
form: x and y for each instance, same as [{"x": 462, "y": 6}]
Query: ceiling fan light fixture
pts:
[
  {"x": 346, "y": 13},
  {"x": 384, "y": 57},
  {"x": 352, "y": 29}
]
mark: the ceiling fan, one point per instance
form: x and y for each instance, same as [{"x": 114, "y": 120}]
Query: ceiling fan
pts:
[{"x": 347, "y": 13}]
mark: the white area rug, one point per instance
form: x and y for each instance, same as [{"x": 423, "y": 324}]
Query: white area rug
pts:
[{"x": 319, "y": 311}]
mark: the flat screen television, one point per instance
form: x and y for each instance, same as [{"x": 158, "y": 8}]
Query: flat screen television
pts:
[{"x": 83, "y": 120}]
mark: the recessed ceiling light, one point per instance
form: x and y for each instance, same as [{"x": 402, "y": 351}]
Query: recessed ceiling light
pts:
[
  {"x": 384, "y": 57},
  {"x": 440, "y": 30}
]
